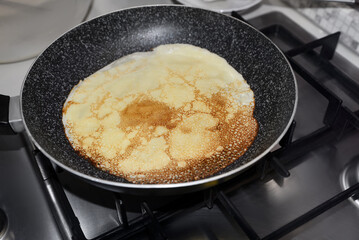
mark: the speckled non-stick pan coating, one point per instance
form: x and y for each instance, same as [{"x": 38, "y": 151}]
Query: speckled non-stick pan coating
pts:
[{"x": 96, "y": 43}]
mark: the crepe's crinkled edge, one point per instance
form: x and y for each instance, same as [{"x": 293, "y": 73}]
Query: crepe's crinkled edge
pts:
[{"x": 178, "y": 113}]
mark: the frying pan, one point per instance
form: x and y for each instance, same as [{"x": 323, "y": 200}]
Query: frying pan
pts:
[{"x": 96, "y": 43}]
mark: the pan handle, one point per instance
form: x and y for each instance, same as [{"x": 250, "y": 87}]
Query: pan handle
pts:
[{"x": 10, "y": 115}]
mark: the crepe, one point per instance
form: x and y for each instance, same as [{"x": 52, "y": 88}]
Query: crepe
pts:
[{"x": 174, "y": 114}]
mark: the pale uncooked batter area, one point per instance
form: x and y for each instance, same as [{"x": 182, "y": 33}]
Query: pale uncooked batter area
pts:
[{"x": 177, "y": 113}]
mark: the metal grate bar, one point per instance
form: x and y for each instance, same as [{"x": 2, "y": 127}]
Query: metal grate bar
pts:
[
  {"x": 288, "y": 137},
  {"x": 228, "y": 206},
  {"x": 140, "y": 224},
  {"x": 334, "y": 102},
  {"x": 313, "y": 213},
  {"x": 238, "y": 16},
  {"x": 279, "y": 167},
  {"x": 121, "y": 212},
  {"x": 352, "y": 117},
  {"x": 328, "y": 44},
  {"x": 66, "y": 220},
  {"x": 154, "y": 226},
  {"x": 305, "y": 144}
]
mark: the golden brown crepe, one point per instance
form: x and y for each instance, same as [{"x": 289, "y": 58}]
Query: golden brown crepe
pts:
[{"x": 175, "y": 114}]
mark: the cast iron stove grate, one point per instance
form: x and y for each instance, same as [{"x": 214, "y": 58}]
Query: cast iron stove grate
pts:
[{"x": 337, "y": 121}]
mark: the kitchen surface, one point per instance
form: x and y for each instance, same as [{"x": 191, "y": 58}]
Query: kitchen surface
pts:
[{"x": 305, "y": 189}]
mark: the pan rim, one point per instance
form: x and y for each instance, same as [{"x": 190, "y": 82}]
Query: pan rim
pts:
[{"x": 209, "y": 181}]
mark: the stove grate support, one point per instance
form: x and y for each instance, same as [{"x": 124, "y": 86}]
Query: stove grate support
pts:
[
  {"x": 316, "y": 211},
  {"x": 64, "y": 215},
  {"x": 229, "y": 208},
  {"x": 154, "y": 227},
  {"x": 121, "y": 212}
]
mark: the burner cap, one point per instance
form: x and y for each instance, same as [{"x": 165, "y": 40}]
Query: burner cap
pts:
[
  {"x": 349, "y": 177},
  {"x": 3, "y": 223}
]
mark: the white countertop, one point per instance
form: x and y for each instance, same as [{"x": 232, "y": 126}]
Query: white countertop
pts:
[{"x": 13, "y": 74}]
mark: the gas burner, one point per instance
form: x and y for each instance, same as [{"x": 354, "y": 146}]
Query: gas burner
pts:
[
  {"x": 3, "y": 223},
  {"x": 350, "y": 177}
]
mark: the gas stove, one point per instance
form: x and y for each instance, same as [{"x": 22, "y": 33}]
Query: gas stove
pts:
[{"x": 306, "y": 188}]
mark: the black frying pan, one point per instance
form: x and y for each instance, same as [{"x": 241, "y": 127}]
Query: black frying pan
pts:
[{"x": 96, "y": 43}]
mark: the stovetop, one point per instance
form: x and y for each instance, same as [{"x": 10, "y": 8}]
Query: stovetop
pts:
[{"x": 276, "y": 198}]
